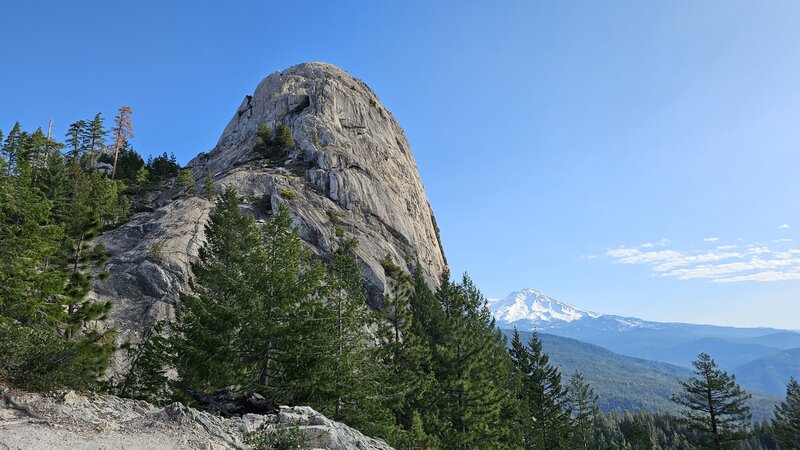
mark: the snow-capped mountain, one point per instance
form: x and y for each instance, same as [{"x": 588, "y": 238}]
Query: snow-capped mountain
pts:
[
  {"x": 674, "y": 343},
  {"x": 530, "y": 309}
]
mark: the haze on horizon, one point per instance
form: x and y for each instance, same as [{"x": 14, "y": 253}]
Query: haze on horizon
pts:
[{"x": 629, "y": 159}]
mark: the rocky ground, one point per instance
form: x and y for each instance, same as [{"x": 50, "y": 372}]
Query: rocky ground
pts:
[{"x": 71, "y": 420}]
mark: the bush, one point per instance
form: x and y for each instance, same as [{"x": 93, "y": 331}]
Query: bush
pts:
[
  {"x": 283, "y": 138},
  {"x": 41, "y": 359},
  {"x": 281, "y": 438}
]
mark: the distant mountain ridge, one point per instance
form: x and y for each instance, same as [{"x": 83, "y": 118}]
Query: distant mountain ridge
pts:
[{"x": 674, "y": 343}]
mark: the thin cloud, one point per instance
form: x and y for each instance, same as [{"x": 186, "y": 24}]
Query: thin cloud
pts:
[
  {"x": 722, "y": 264},
  {"x": 784, "y": 226},
  {"x": 711, "y": 239}
]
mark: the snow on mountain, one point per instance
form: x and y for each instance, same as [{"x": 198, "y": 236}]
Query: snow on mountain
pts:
[
  {"x": 530, "y": 304},
  {"x": 530, "y": 309}
]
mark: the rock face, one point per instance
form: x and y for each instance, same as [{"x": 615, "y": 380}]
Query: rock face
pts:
[
  {"x": 76, "y": 421},
  {"x": 351, "y": 173}
]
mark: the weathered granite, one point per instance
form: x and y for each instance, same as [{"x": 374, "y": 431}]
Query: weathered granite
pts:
[{"x": 351, "y": 172}]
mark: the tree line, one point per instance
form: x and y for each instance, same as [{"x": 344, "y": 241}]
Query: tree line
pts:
[{"x": 55, "y": 198}]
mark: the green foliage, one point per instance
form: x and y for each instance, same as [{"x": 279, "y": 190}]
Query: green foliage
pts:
[
  {"x": 209, "y": 190},
  {"x": 787, "y": 417},
  {"x": 186, "y": 181},
  {"x": 278, "y": 438},
  {"x": 582, "y": 402},
  {"x": 146, "y": 378},
  {"x": 288, "y": 195},
  {"x": 129, "y": 163},
  {"x": 283, "y": 137},
  {"x": 162, "y": 167},
  {"x": 272, "y": 146},
  {"x": 50, "y": 211},
  {"x": 546, "y": 413},
  {"x": 715, "y": 406}
]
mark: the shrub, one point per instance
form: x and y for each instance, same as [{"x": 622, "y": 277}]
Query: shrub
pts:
[
  {"x": 281, "y": 438},
  {"x": 41, "y": 359},
  {"x": 283, "y": 138}
]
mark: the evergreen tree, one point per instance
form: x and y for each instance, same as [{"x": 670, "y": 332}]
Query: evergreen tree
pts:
[
  {"x": 787, "y": 417},
  {"x": 350, "y": 385},
  {"x": 205, "y": 342},
  {"x": 715, "y": 405},
  {"x": 209, "y": 190},
  {"x": 264, "y": 140},
  {"x": 283, "y": 138},
  {"x": 93, "y": 137},
  {"x": 146, "y": 379},
  {"x": 407, "y": 359},
  {"x": 547, "y": 416},
  {"x": 75, "y": 136},
  {"x": 122, "y": 132},
  {"x": 582, "y": 400},
  {"x": 11, "y": 147},
  {"x": 469, "y": 399},
  {"x": 186, "y": 181},
  {"x": 48, "y": 338}
]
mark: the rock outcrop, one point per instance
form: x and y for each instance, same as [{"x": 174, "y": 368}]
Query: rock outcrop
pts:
[
  {"x": 93, "y": 421},
  {"x": 351, "y": 173}
]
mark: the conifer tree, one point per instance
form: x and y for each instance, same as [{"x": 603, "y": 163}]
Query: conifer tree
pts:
[
  {"x": 469, "y": 401},
  {"x": 283, "y": 138},
  {"x": 787, "y": 417},
  {"x": 47, "y": 338},
  {"x": 350, "y": 381},
  {"x": 186, "y": 181},
  {"x": 407, "y": 359},
  {"x": 11, "y": 147},
  {"x": 122, "y": 132},
  {"x": 206, "y": 340},
  {"x": 75, "y": 136},
  {"x": 209, "y": 190},
  {"x": 93, "y": 138},
  {"x": 582, "y": 400},
  {"x": 547, "y": 424},
  {"x": 715, "y": 405}
]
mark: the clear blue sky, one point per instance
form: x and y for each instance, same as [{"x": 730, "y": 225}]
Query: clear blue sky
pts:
[{"x": 592, "y": 150}]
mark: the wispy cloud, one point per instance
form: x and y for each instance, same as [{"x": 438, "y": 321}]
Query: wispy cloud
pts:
[
  {"x": 719, "y": 264},
  {"x": 784, "y": 226},
  {"x": 711, "y": 239}
]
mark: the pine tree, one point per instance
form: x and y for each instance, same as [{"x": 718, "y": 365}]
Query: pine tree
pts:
[
  {"x": 206, "y": 339},
  {"x": 11, "y": 147},
  {"x": 787, "y": 417},
  {"x": 264, "y": 140},
  {"x": 48, "y": 338},
  {"x": 350, "y": 384},
  {"x": 142, "y": 178},
  {"x": 186, "y": 181},
  {"x": 716, "y": 407},
  {"x": 75, "y": 136},
  {"x": 547, "y": 419},
  {"x": 407, "y": 359},
  {"x": 283, "y": 138},
  {"x": 582, "y": 400},
  {"x": 93, "y": 138},
  {"x": 469, "y": 400},
  {"x": 122, "y": 132},
  {"x": 209, "y": 190},
  {"x": 147, "y": 379}
]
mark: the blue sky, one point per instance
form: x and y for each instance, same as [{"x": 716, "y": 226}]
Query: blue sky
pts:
[{"x": 556, "y": 140}]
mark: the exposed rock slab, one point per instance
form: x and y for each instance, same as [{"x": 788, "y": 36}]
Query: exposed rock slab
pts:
[
  {"x": 352, "y": 173},
  {"x": 92, "y": 421}
]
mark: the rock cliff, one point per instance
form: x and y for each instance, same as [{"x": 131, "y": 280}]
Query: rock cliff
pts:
[{"x": 351, "y": 173}]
